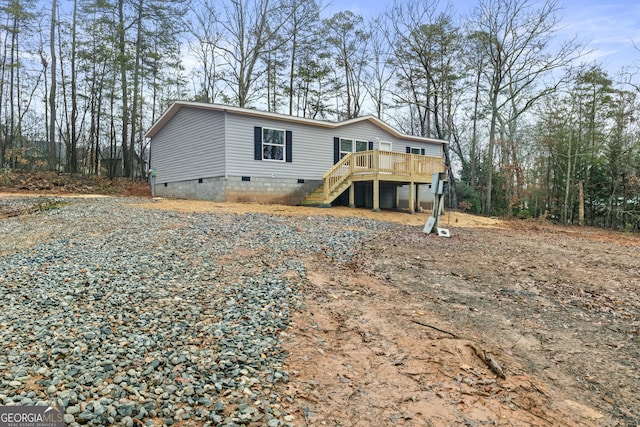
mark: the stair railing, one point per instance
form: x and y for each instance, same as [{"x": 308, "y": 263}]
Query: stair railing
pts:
[
  {"x": 377, "y": 162},
  {"x": 338, "y": 174}
]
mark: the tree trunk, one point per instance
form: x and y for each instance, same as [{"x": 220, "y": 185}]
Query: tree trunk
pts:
[
  {"x": 567, "y": 187},
  {"x": 73, "y": 138},
  {"x": 347, "y": 74},
  {"x": 52, "y": 93},
  {"x": 3, "y": 132},
  {"x": 580, "y": 203},
  {"x": 292, "y": 68},
  {"x": 123, "y": 86},
  {"x": 489, "y": 162},
  {"x": 136, "y": 84},
  {"x": 10, "y": 139},
  {"x": 473, "y": 152},
  {"x": 98, "y": 116}
]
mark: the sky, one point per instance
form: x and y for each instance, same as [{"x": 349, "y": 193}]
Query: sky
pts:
[
  {"x": 611, "y": 28},
  {"x": 608, "y": 26}
]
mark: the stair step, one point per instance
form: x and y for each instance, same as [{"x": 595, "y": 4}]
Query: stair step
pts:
[{"x": 316, "y": 198}]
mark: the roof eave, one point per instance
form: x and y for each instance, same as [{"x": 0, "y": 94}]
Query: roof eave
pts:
[
  {"x": 376, "y": 121},
  {"x": 177, "y": 105}
]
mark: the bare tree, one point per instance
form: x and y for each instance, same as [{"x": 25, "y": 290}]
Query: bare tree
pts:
[
  {"x": 475, "y": 63},
  {"x": 349, "y": 40},
  {"x": 206, "y": 37},
  {"x": 381, "y": 71},
  {"x": 73, "y": 137},
  {"x": 303, "y": 30},
  {"x": 426, "y": 49},
  {"x": 518, "y": 46},
  {"x": 52, "y": 90},
  {"x": 18, "y": 17},
  {"x": 249, "y": 28}
]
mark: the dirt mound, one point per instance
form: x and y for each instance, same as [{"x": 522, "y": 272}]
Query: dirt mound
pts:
[{"x": 53, "y": 183}]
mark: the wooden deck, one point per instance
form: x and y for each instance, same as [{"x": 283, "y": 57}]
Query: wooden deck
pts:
[{"x": 379, "y": 166}]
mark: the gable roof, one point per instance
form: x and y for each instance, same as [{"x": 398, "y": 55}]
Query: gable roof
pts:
[{"x": 162, "y": 121}]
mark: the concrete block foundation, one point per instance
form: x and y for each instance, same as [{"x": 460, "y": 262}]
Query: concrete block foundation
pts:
[{"x": 240, "y": 189}]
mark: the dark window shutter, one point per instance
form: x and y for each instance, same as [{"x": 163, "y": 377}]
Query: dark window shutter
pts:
[
  {"x": 370, "y": 145},
  {"x": 257, "y": 143},
  {"x": 289, "y": 147},
  {"x": 409, "y": 150},
  {"x": 422, "y": 151},
  {"x": 336, "y": 150}
]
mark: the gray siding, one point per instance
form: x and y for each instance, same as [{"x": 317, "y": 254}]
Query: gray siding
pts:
[
  {"x": 312, "y": 149},
  {"x": 312, "y": 146},
  {"x": 366, "y": 130},
  {"x": 190, "y": 146}
]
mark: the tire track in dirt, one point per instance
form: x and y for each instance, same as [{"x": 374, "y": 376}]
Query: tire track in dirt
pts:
[
  {"x": 358, "y": 359},
  {"x": 558, "y": 307}
]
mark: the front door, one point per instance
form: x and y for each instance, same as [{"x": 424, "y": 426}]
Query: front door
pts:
[{"x": 386, "y": 162}]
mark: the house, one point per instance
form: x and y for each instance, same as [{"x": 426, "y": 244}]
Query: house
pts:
[{"x": 222, "y": 153}]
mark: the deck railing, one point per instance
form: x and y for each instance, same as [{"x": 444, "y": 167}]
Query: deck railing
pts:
[{"x": 375, "y": 162}]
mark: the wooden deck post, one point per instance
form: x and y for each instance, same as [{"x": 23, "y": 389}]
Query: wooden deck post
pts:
[
  {"x": 418, "y": 208},
  {"x": 376, "y": 195},
  {"x": 412, "y": 199},
  {"x": 376, "y": 181},
  {"x": 352, "y": 195},
  {"x": 397, "y": 187}
]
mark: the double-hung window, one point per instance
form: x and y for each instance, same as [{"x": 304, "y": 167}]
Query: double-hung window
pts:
[
  {"x": 361, "y": 146},
  {"x": 351, "y": 146},
  {"x": 273, "y": 144},
  {"x": 346, "y": 146}
]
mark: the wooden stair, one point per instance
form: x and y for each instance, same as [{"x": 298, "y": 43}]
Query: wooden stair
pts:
[
  {"x": 316, "y": 198},
  {"x": 373, "y": 166}
]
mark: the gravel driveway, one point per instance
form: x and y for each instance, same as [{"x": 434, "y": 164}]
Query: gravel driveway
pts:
[
  {"x": 132, "y": 316},
  {"x": 148, "y": 313}
]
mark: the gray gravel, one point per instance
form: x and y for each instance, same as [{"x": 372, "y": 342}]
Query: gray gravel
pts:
[{"x": 131, "y": 316}]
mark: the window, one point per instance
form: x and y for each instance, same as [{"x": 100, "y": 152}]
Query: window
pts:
[
  {"x": 350, "y": 146},
  {"x": 272, "y": 144},
  {"x": 415, "y": 150},
  {"x": 362, "y": 145},
  {"x": 346, "y": 146}
]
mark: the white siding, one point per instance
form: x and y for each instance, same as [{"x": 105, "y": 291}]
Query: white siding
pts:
[
  {"x": 312, "y": 148},
  {"x": 189, "y": 146}
]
